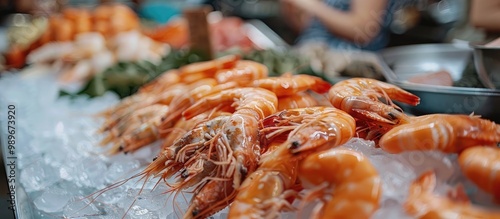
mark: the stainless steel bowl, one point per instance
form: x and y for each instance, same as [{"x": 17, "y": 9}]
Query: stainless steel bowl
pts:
[
  {"x": 487, "y": 62},
  {"x": 401, "y": 63}
]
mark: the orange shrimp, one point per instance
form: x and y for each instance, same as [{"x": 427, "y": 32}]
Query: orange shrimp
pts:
[
  {"x": 208, "y": 69},
  {"x": 247, "y": 100},
  {"x": 289, "y": 84},
  {"x": 182, "y": 126},
  {"x": 422, "y": 203},
  {"x": 162, "y": 82},
  {"x": 243, "y": 73},
  {"x": 236, "y": 145},
  {"x": 188, "y": 98},
  {"x": 139, "y": 129},
  {"x": 446, "y": 133},
  {"x": 264, "y": 192},
  {"x": 138, "y": 101},
  {"x": 298, "y": 100},
  {"x": 345, "y": 181},
  {"x": 480, "y": 165},
  {"x": 171, "y": 160},
  {"x": 360, "y": 98}
]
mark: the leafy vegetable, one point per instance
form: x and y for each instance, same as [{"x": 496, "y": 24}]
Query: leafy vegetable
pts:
[{"x": 125, "y": 78}]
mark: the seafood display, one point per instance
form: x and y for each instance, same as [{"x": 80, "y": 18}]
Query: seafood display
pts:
[
  {"x": 230, "y": 137},
  {"x": 90, "y": 53},
  {"x": 236, "y": 138}
]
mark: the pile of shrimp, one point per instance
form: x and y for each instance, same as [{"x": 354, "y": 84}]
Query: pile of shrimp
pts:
[{"x": 235, "y": 137}]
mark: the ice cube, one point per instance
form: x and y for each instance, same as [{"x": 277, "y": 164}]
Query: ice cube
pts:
[
  {"x": 52, "y": 200},
  {"x": 395, "y": 175},
  {"x": 138, "y": 212},
  {"x": 39, "y": 214},
  {"x": 151, "y": 201},
  {"x": 80, "y": 206},
  {"x": 38, "y": 175},
  {"x": 129, "y": 199},
  {"x": 112, "y": 196},
  {"x": 121, "y": 170},
  {"x": 91, "y": 171},
  {"x": 111, "y": 211}
]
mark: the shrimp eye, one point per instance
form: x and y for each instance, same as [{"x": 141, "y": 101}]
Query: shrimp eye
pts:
[
  {"x": 391, "y": 115},
  {"x": 295, "y": 145},
  {"x": 195, "y": 212},
  {"x": 184, "y": 174},
  {"x": 120, "y": 148},
  {"x": 243, "y": 171},
  {"x": 155, "y": 158}
]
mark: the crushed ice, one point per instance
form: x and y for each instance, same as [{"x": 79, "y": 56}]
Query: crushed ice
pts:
[{"x": 61, "y": 164}]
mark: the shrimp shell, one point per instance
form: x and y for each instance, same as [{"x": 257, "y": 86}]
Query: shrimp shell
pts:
[
  {"x": 351, "y": 182},
  {"x": 443, "y": 132},
  {"x": 482, "y": 166},
  {"x": 360, "y": 98}
]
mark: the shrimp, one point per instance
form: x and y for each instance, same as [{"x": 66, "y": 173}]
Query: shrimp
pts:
[
  {"x": 162, "y": 82},
  {"x": 422, "y": 203},
  {"x": 139, "y": 130},
  {"x": 264, "y": 192},
  {"x": 298, "y": 100},
  {"x": 186, "y": 99},
  {"x": 136, "y": 102},
  {"x": 244, "y": 73},
  {"x": 351, "y": 190},
  {"x": 170, "y": 160},
  {"x": 236, "y": 145},
  {"x": 443, "y": 132},
  {"x": 480, "y": 165},
  {"x": 289, "y": 84},
  {"x": 167, "y": 97},
  {"x": 199, "y": 70},
  {"x": 360, "y": 98},
  {"x": 182, "y": 126}
]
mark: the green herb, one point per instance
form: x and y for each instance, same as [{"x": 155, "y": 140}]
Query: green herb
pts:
[{"x": 125, "y": 78}]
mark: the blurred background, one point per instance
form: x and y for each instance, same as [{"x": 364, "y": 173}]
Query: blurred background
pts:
[
  {"x": 416, "y": 21},
  {"x": 94, "y": 46}
]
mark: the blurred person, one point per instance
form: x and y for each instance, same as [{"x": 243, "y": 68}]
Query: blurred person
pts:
[
  {"x": 485, "y": 14},
  {"x": 342, "y": 24}
]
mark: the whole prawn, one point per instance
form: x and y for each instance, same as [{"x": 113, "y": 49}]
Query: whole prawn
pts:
[
  {"x": 147, "y": 133},
  {"x": 237, "y": 144},
  {"x": 443, "y": 132},
  {"x": 264, "y": 192},
  {"x": 345, "y": 181},
  {"x": 207, "y": 69},
  {"x": 136, "y": 130},
  {"x": 423, "y": 203},
  {"x": 480, "y": 164},
  {"x": 360, "y": 98},
  {"x": 243, "y": 73}
]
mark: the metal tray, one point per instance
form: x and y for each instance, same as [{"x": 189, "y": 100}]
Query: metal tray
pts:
[{"x": 408, "y": 61}]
